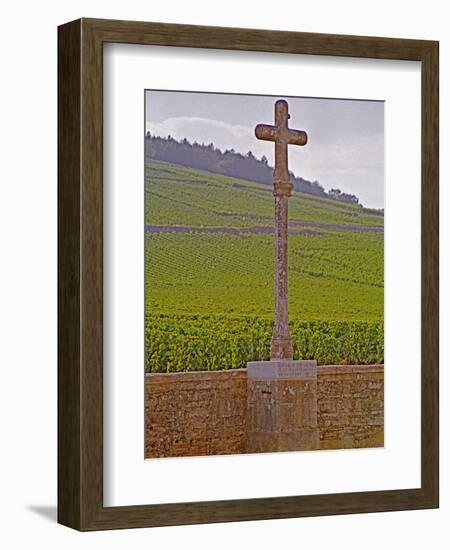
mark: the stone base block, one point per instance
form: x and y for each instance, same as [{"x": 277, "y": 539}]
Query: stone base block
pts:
[
  {"x": 282, "y": 406},
  {"x": 306, "y": 439}
]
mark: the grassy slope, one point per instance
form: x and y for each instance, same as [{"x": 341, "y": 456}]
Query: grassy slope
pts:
[
  {"x": 179, "y": 195},
  {"x": 334, "y": 275}
]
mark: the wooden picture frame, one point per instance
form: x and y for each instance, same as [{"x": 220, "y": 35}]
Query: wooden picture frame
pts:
[{"x": 80, "y": 272}]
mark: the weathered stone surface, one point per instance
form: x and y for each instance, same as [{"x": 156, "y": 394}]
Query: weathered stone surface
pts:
[
  {"x": 281, "y": 345},
  {"x": 207, "y": 413},
  {"x": 350, "y": 406},
  {"x": 282, "y": 136},
  {"x": 282, "y": 405},
  {"x": 196, "y": 413},
  {"x": 283, "y": 368}
]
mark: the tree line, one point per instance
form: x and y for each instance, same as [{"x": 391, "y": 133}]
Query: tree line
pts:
[{"x": 230, "y": 163}]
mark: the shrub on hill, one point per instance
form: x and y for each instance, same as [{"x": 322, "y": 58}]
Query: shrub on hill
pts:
[{"x": 230, "y": 163}]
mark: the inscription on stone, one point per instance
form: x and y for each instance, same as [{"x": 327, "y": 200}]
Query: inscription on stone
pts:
[{"x": 279, "y": 370}]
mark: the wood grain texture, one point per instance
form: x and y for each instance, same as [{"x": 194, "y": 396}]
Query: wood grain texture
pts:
[
  {"x": 80, "y": 265},
  {"x": 430, "y": 273},
  {"x": 69, "y": 243}
]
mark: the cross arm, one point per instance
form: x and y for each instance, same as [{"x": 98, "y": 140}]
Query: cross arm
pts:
[
  {"x": 266, "y": 132},
  {"x": 297, "y": 137}
]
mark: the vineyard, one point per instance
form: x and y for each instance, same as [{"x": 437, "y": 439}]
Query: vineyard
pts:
[{"x": 209, "y": 274}]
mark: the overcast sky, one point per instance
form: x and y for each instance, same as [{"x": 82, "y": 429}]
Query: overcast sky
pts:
[{"x": 345, "y": 137}]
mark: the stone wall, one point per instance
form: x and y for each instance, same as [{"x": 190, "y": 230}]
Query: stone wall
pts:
[
  {"x": 196, "y": 413},
  {"x": 206, "y": 413},
  {"x": 350, "y": 406}
]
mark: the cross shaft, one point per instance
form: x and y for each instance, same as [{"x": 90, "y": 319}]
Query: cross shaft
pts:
[{"x": 282, "y": 136}]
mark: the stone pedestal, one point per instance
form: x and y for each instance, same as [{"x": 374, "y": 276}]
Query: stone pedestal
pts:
[{"x": 282, "y": 406}]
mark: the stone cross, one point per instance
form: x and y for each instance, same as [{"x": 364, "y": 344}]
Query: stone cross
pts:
[{"x": 281, "y": 344}]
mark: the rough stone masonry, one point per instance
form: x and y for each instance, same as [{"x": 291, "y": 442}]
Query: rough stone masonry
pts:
[{"x": 209, "y": 413}]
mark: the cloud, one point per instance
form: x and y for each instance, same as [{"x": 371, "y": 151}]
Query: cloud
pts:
[
  {"x": 197, "y": 128},
  {"x": 353, "y": 163}
]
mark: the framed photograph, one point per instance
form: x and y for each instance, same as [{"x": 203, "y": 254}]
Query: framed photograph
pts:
[{"x": 248, "y": 274}]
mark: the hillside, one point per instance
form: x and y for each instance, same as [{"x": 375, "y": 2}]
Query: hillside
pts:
[
  {"x": 209, "y": 272},
  {"x": 230, "y": 163},
  {"x": 184, "y": 196}
]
